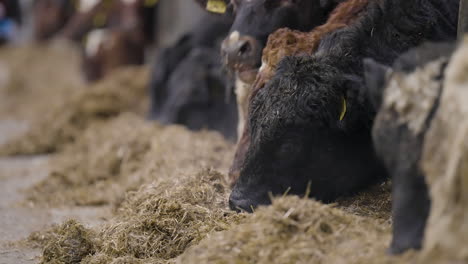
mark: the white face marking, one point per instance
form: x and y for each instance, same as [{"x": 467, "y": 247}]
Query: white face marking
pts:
[
  {"x": 94, "y": 41},
  {"x": 231, "y": 40},
  {"x": 234, "y": 37},
  {"x": 262, "y": 68},
  {"x": 86, "y": 5},
  {"x": 242, "y": 91}
]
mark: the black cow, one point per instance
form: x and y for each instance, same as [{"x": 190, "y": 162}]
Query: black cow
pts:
[
  {"x": 312, "y": 122},
  {"x": 412, "y": 93},
  {"x": 188, "y": 85}
]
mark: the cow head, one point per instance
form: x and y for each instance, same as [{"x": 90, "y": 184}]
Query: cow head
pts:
[
  {"x": 308, "y": 125},
  {"x": 108, "y": 49},
  {"x": 121, "y": 42},
  {"x": 254, "y": 20}
]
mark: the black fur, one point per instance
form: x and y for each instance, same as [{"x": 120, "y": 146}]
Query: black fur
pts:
[
  {"x": 259, "y": 18},
  {"x": 401, "y": 150},
  {"x": 375, "y": 74},
  {"x": 187, "y": 84},
  {"x": 296, "y": 135}
]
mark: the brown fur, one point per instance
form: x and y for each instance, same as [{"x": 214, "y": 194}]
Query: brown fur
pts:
[{"x": 126, "y": 39}]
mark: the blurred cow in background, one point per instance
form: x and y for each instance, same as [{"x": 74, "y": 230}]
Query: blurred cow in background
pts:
[
  {"x": 50, "y": 16},
  {"x": 112, "y": 33},
  {"x": 188, "y": 85},
  {"x": 10, "y": 18},
  {"x": 92, "y": 14},
  {"x": 123, "y": 29}
]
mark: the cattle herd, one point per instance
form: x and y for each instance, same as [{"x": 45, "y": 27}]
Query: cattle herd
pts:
[{"x": 326, "y": 97}]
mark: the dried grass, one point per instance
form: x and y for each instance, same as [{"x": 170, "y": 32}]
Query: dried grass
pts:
[
  {"x": 69, "y": 244},
  {"x": 155, "y": 224},
  {"x": 295, "y": 230},
  {"x": 111, "y": 158},
  {"x": 68, "y": 115}
]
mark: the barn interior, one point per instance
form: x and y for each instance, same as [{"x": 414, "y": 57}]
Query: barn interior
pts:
[{"x": 92, "y": 172}]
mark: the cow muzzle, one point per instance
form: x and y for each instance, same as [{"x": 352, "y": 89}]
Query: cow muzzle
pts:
[{"x": 241, "y": 53}]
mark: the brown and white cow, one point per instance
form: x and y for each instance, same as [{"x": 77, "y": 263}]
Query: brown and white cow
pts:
[{"x": 120, "y": 33}]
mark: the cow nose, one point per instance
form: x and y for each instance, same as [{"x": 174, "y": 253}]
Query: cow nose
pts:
[
  {"x": 241, "y": 51},
  {"x": 239, "y": 204}
]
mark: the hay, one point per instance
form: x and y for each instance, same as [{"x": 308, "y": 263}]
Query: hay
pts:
[
  {"x": 32, "y": 77},
  {"x": 295, "y": 230},
  {"x": 158, "y": 222},
  {"x": 120, "y": 155},
  {"x": 104, "y": 259},
  {"x": 374, "y": 202},
  {"x": 70, "y": 243},
  {"x": 68, "y": 115},
  {"x": 162, "y": 223}
]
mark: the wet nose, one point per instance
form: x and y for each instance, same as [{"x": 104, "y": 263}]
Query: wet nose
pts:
[
  {"x": 239, "y": 204},
  {"x": 240, "y": 51}
]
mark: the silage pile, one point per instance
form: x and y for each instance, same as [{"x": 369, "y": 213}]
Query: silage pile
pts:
[
  {"x": 113, "y": 157},
  {"x": 295, "y": 230},
  {"x": 159, "y": 225},
  {"x": 155, "y": 224},
  {"x": 33, "y": 77},
  {"x": 68, "y": 115}
]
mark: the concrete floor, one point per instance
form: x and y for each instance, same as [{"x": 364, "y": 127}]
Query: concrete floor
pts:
[{"x": 17, "y": 218}]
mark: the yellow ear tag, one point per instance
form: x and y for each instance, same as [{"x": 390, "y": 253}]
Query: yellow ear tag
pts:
[
  {"x": 343, "y": 108},
  {"x": 216, "y": 6},
  {"x": 150, "y": 3}
]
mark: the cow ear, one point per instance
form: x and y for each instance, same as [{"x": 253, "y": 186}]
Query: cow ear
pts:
[
  {"x": 375, "y": 77},
  {"x": 214, "y": 6}
]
